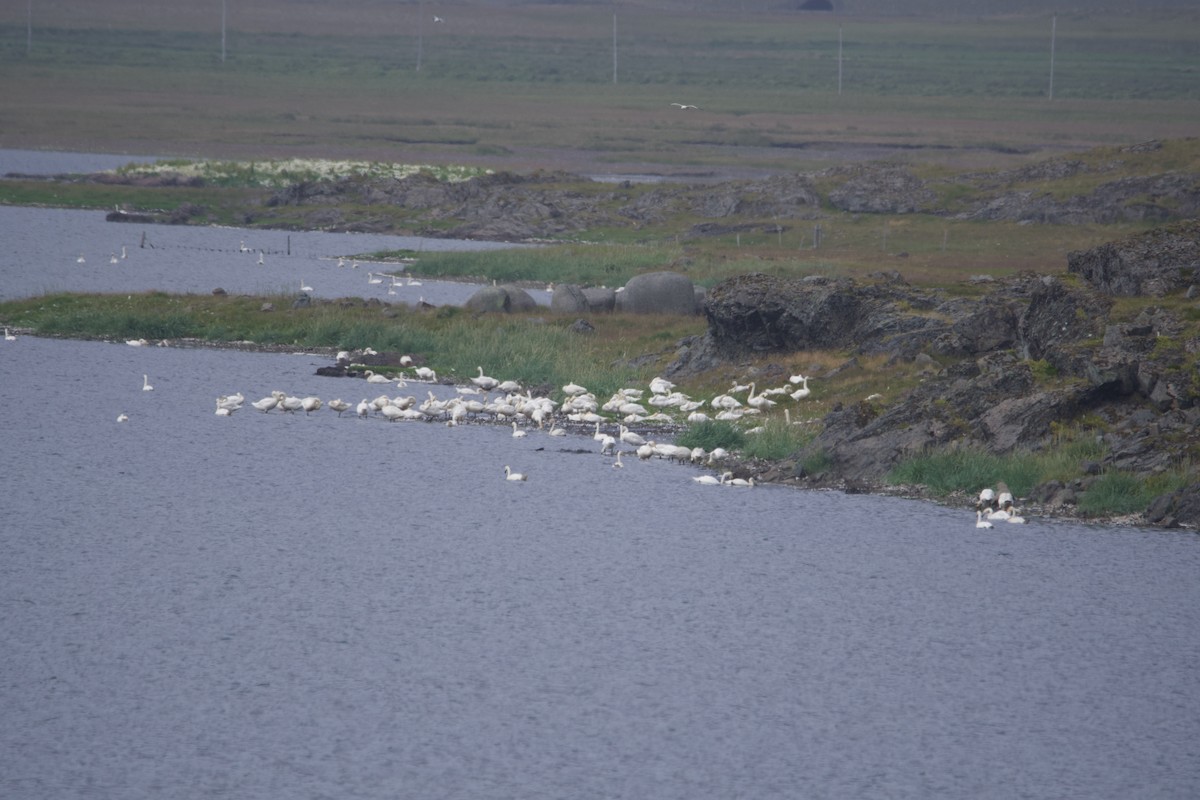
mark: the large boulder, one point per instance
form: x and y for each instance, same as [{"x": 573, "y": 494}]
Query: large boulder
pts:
[
  {"x": 500, "y": 299},
  {"x": 568, "y": 298},
  {"x": 1153, "y": 263},
  {"x": 601, "y": 298},
  {"x": 658, "y": 293}
]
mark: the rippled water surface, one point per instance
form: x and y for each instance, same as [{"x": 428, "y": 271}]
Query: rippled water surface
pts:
[{"x": 265, "y": 606}]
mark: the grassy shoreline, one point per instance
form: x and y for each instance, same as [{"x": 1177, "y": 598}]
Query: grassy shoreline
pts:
[{"x": 539, "y": 351}]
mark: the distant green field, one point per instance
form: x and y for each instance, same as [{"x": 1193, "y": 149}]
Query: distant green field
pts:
[{"x": 557, "y": 85}]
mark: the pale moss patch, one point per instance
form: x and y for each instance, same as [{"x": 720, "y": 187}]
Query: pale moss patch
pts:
[{"x": 279, "y": 173}]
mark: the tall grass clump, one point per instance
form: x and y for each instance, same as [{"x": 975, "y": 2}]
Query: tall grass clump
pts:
[
  {"x": 592, "y": 265},
  {"x": 534, "y": 354},
  {"x": 776, "y": 440},
  {"x": 1119, "y": 493},
  {"x": 712, "y": 434},
  {"x": 968, "y": 470}
]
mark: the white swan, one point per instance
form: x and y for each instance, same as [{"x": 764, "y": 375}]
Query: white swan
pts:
[
  {"x": 617, "y": 464},
  {"x": 363, "y": 408},
  {"x": 123, "y": 418},
  {"x": 709, "y": 480},
  {"x": 426, "y": 374},
  {"x": 485, "y": 382},
  {"x": 304, "y": 288},
  {"x": 629, "y": 437},
  {"x": 122, "y": 252},
  {"x": 81, "y": 259},
  {"x": 8, "y": 337},
  {"x": 310, "y": 404},
  {"x": 742, "y": 482},
  {"x": 373, "y": 377},
  {"x": 1015, "y": 518},
  {"x": 517, "y": 432},
  {"x": 758, "y": 401},
  {"x": 146, "y": 387},
  {"x": 339, "y": 405},
  {"x": 112, "y": 259},
  {"x": 266, "y": 404},
  {"x": 513, "y": 476},
  {"x": 373, "y": 278},
  {"x": 261, "y": 260},
  {"x": 685, "y": 106},
  {"x": 291, "y": 404},
  {"x": 980, "y": 522},
  {"x": 803, "y": 391}
]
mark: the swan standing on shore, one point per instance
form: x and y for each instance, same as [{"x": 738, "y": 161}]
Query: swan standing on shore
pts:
[{"x": 485, "y": 382}]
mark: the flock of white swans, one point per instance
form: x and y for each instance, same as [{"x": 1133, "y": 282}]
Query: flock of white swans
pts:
[
  {"x": 485, "y": 399},
  {"x": 489, "y": 399}
]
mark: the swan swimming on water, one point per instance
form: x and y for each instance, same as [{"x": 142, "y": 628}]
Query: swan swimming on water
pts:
[
  {"x": 980, "y": 522},
  {"x": 146, "y": 387},
  {"x": 513, "y": 476}
]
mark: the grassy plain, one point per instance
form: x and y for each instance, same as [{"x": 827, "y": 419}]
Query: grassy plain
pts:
[{"x": 532, "y": 86}]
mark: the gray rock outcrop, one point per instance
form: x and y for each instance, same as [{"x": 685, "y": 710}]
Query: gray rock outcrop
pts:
[{"x": 1154, "y": 263}]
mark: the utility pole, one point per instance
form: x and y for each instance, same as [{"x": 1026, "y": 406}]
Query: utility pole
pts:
[
  {"x": 614, "y": 47},
  {"x": 839, "y": 60},
  {"x": 420, "y": 33},
  {"x": 1053, "y": 25}
]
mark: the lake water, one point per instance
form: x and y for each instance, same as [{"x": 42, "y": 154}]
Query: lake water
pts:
[
  {"x": 265, "y": 606},
  {"x": 269, "y": 606}
]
